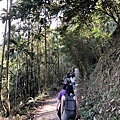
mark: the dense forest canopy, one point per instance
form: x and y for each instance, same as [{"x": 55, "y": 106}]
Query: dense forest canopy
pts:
[{"x": 34, "y": 56}]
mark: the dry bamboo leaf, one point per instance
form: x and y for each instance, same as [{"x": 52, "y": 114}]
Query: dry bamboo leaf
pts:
[
  {"x": 119, "y": 112},
  {"x": 82, "y": 97},
  {"x": 94, "y": 118},
  {"x": 100, "y": 111},
  {"x": 112, "y": 100}
]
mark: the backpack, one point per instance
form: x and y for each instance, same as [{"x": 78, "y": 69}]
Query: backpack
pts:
[
  {"x": 70, "y": 106},
  {"x": 67, "y": 80}
]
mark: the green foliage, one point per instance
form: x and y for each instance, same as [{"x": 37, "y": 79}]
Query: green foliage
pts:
[{"x": 88, "y": 112}]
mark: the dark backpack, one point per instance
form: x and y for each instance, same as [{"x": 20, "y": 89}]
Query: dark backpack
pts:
[{"x": 70, "y": 106}]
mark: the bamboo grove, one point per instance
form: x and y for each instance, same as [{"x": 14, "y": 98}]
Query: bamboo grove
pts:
[{"x": 31, "y": 58}]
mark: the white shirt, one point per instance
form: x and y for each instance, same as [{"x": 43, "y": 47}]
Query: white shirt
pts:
[{"x": 72, "y": 79}]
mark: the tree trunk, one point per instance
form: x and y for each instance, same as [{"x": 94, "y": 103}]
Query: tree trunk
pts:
[
  {"x": 45, "y": 54},
  {"x": 3, "y": 51},
  {"x": 7, "y": 66},
  {"x": 16, "y": 79}
]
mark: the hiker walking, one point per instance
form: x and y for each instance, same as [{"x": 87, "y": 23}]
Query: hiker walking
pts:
[
  {"x": 73, "y": 80},
  {"x": 67, "y": 78},
  {"x": 58, "y": 105},
  {"x": 69, "y": 104}
]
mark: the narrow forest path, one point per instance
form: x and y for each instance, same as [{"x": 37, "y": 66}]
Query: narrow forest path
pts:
[{"x": 47, "y": 111}]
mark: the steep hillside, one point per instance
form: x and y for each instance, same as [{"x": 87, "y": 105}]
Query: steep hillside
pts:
[{"x": 102, "y": 98}]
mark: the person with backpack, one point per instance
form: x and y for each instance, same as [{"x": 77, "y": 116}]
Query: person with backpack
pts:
[
  {"x": 67, "y": 79},
  {"x": 58, "y": 105},
  {"x": 69, "y": 104}
]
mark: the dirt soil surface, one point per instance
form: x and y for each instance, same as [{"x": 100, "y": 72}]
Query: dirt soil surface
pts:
[{"x": 47, "y": 112}]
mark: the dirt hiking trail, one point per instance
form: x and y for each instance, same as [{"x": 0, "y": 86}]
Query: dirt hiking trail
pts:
[
  {"x": 44, "y": 112},
  {"x": 47, "y": 111}
]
